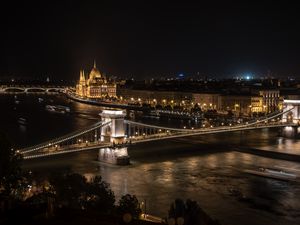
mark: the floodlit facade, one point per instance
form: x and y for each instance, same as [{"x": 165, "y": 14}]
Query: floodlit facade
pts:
[
  {"x": 267, "y": 101},
  {"x": 96, "y": 86}
]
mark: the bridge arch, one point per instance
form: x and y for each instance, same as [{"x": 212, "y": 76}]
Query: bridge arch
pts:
[
  {"x": 14, "y": 89},
  {"x": 35, "y": 90}
]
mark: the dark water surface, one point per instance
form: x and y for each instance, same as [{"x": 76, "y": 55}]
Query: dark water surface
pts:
[{"x": 203, "y": 168}]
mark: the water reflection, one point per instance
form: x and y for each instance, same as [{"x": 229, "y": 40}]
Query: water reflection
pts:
[
  {"x": 212, "y": 161},
  {"x": 202, "y": 168}
]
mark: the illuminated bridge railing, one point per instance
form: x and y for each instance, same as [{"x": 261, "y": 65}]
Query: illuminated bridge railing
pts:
[
  {"x": 268, "y": 121},
  {"x": 63, "y": 138},
  {"x": 156, "y": 133},
  {"x": 164, "y": 136},
  {"x": 79, "y": 149},
  {"x": 253, "y": 123}
]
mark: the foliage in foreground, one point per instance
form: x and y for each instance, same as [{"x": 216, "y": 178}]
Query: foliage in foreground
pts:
[{"x": 189, "y": 213}]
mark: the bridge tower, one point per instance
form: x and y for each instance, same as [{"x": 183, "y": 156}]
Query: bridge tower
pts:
[
  {"x": 292, "y": 117},
  {"x": 115, "y": 131}
]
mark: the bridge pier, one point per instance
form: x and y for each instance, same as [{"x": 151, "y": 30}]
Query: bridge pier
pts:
[
  {"x": 118, "y": 156},
  {"x": 292, "y": 117},
  {"x": 115, "y": 131},
  {"x": 290, "y": 131}
]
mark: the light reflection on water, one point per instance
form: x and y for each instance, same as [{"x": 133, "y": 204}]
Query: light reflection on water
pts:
[{"x": 203, "y": 168}]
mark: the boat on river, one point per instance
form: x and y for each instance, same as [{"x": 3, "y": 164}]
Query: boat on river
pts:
[
  {"x": 57, "y": 108},
  {"x": 22, "y": 121},
  {"x": 273, "y": 173}
]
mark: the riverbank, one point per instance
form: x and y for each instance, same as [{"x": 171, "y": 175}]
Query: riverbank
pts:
[
  {"x": 103, "y": 104},
  {"x": 203, "y": 168},
  {"x": 269, "y": 154}
]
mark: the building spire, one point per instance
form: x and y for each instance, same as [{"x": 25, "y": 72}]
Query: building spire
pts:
[
  {"x": 82, "y": 77},
  {"x": 95, "y": 63}
]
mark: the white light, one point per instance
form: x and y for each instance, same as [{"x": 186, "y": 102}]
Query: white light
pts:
[
  {"x": 113, "y": 112},
  {"x": 291, "y": 101},
  {"x": 289, "y": 128}
]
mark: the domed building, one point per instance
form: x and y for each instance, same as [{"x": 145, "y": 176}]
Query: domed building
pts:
[{"x": 96, "y": 86}]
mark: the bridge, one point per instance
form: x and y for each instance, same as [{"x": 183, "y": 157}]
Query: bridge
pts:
[
  {"x": 113, "y": 131},
  {"x": 15, "y": 89}
]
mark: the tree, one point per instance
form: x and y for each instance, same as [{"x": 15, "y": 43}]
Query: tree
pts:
[
  {"x": 69, "y": 189},
  {"x": 177, "y": 108},
  {"x": 196, "y": 109},
  {"x": 129, "y": 204},
  {"x": 230, "y": 114},
  {"x": 99, "y": 196},
  {"x": 191, "y": 213},
  {"x": 10, "y": 167},
  {"x": 158, "y": 107},
  {"x": 177, "y": 209},
  {"x": 168, "y": 107}
]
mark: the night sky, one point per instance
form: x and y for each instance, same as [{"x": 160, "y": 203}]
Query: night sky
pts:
[{"x": 150, "y": 40}]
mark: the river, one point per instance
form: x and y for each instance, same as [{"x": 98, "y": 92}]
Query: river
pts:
[{"x": 203, "y": 168}]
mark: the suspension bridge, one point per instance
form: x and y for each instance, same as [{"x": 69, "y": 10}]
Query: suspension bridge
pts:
[{"x": 113, "y": 130}]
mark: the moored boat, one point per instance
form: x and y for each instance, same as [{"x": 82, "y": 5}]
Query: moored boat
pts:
[{"x": 57, "y": 108}]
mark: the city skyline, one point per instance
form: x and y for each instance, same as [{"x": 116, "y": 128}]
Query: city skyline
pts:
[
  {"x": 150, "y": 40},
  {"x": 165, "y": 112}
]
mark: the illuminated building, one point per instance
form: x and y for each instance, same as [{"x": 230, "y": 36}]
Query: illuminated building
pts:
[
  {"x": 266, "y": 101},
  {"x": 96, "y": 86}
]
